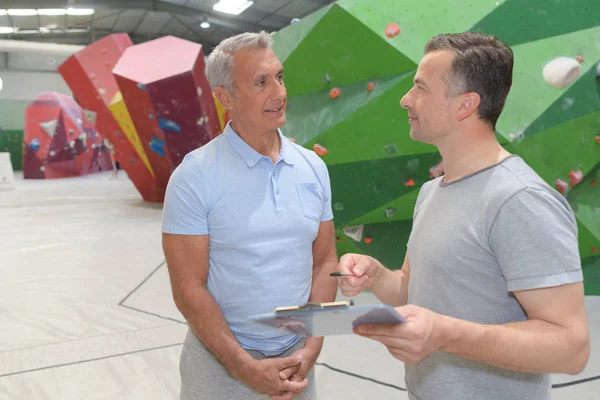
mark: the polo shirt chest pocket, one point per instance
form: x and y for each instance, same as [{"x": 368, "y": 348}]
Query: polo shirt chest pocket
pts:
[{"x": 310, "y": 196}]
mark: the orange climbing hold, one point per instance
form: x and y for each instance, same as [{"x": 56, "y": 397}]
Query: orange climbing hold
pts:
[
  {"x": 561, "y": 185},
  {"x": 598, "y": 139},
  {"x": 334, "y": 93},
  {"x": 409, "y": 182},
  {"x": 339, "y": 239},
  {"x": 292, "y": 140},
  {"x": 371, "y": 86},
  {"x": 594, "y": 250},
  {"x": 368, "y": 240},
  {"x": 320, "y": 150},
  {"x": 579, "y": 59},
  {"x": 575, "y": 177},
  {"x": 392, "y": 30},
  {"x": 437, "y": 170}
]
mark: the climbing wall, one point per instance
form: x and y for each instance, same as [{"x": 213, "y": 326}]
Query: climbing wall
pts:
[
  {"x": 11, "y": 141},
  {"x": 59, "y": 140},
  {"x": 349, "y": 64},
  {"x": 174, "y": 110},
  {"x": 88, "y": 73}
]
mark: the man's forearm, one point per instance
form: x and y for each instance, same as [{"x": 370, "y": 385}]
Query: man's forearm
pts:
[
  {"x": 390, "y": 287},
  {"x": 208, "y": 323},
  {"x": 530, "y": 346}
]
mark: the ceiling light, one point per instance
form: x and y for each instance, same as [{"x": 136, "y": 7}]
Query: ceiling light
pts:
[
  {"x": 234, "y": 7},
  {"x": 80, "y": 11},
  {"x": 2, "y": 12},
  {"x": 25, "y": 12},
  {"x": 44, "y": 29},
  {"x": 6, "y": 29},
  {"x": 52, "y": 11},
  {"x": 1, "y": 84},
  {"x": 205, "y": 25}
]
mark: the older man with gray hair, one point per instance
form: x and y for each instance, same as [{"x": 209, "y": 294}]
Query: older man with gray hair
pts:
[{"x": 247, "y": 227}]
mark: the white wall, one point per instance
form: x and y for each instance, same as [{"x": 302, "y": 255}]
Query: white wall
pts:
[{"x": 27, "y": 85}]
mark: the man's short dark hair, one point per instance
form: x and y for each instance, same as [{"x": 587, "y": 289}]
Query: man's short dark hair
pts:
[{"x": 482, "y": 64}]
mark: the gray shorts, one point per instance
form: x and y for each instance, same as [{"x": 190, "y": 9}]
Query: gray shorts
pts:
[{"x": 203, "y": 377}]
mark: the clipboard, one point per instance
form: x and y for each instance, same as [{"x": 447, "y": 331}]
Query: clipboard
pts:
[{"x": 327, "y": 319}]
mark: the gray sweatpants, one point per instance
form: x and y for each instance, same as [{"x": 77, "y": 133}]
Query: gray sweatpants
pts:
[{"x": 203, "y": 377}]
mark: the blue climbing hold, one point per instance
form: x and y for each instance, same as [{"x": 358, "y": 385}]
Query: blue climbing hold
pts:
[
  {"x": 141, "y": 86},
  {"x": 34, "y": 145},
  {"x": 157, "y": 145},
  {"x": 169, "y": 125}
]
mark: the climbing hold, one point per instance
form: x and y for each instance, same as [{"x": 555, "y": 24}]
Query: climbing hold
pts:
[
  {"x": 34, "y": 145},
  {"x": 390, "y": 212},
  {"x": 579, "y": 59},
  {"x": 368, "y": 240},
  {"x": 151, "y": 116},
  {"x": 409, "y": 182},
  {"x": 339, "y": 206},
  {"x": 169, "y": 125},
  {"x": 199, "y": 91},
  {"x": 337, "y": 238},
  {"x": 371, "y": 86},
  {"x": 200, "y": 121},
  {"x": 326, "y": 78},
  {"x": 561, "y": 72},
  {"x": 157, "y": 145},
  {"x": 561, "y": 185},
  {"x": 292, "y": 140},
  {"x": 335, "y": 93},
  {"x": 598, "y": 71},
  {"x": 437, "y": 170},
  {"x": 104, "y": 50},
  {"x": 141, "y": 86},
  {"x": 594, "y": 250},
  {"x": 391, "y": 149},
  {"x": 102, "y": 91},
  {"x": 354, "y": 232},
  {"x": 392, "y": 30},
  {"x": 52, "y": 153},
  {"x": 42, "y": 168},
  {"x": 575, "y": 177},
  {"x": 320, "y": 150},
  {"x": 72, "y": 144},
  {"x": 598, "y": 139},
  {"x": 49, "y": 127}
]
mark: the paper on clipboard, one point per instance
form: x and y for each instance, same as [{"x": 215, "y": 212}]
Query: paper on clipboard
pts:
[{"x": 327, "y": 319}]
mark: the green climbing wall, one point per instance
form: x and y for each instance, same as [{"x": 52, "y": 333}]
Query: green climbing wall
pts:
[
  {"x": 362, "y": 133},
  {"x": 12, "y": 142}
]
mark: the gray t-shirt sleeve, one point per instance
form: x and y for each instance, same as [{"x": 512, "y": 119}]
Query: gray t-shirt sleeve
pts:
[{"x": 534, "y": 238}]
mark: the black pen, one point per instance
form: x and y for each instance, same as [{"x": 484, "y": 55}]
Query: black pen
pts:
[{"x": 338, "y": 274}]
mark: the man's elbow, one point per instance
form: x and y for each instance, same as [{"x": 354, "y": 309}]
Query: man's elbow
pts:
[{"x": 580, "y": 356}]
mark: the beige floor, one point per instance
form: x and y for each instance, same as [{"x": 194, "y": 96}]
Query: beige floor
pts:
[{"x": 86, "y": 309}]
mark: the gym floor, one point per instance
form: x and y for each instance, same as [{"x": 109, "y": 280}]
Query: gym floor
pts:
[{"x": 86, "y": 308}]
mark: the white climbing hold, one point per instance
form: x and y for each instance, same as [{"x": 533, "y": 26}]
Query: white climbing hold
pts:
[
  {"x": 561, "y": 72},
  {"x": 354, "y": 232},
  {"x": 49, "y": 127},
  {"x": 199, "y": 90}
]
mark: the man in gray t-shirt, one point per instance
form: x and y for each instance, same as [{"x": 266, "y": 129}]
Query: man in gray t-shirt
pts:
[{"x": 491, "y": 285}]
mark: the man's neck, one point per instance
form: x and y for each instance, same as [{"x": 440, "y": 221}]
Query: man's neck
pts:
[
  {"x": 465, "y": 154},
  {"x": 264, "y": 142}
]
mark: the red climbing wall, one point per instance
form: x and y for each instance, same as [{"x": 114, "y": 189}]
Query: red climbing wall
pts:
[
  {"x": 89, "y": 76},
  {"x": 174, "y": 109},
  {"x": 60, "y": 141}
]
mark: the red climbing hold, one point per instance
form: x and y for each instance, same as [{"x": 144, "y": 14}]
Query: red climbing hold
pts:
[
  {"x": 575, "y": 177},
  {"x": 320, "y": 150},
  {"x": 371, "y": 86},
  {"x": 392, "y": 30},
  {"x": 594, "y": 250},
  {"x": 579, "y": 59},
  {"x": 292, "y": 140},
  {"x": 339, "y": 239},
  {"x": 409, "y": 182},
  {"x": 334, "y": 93},
  {"x": 368, "y": 240},
  {"x": 598, "y": 139},
  {"x": 561, "y": 185}
]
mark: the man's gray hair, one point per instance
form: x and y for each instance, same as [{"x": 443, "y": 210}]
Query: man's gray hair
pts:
[{"x": 220, "y": 60}]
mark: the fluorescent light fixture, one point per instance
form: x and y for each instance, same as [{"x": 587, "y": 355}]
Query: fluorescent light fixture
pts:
[
  {"x": 44, "y": 29},
  {"x": 2, "y": 12},
  {"x": 234, "y": 7},
  {"x": 6, "y": 29},
  {"x": 80, "y": 11},
  {"x": 24, "y": 12},
  {"x": 52, "y": 11},
  {"x": 205, "y": 25}
]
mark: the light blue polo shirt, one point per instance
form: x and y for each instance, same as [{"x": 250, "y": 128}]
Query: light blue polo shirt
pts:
[{"x": 261, "y": 217}]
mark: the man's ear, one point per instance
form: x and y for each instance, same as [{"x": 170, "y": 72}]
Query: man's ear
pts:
[
  {"x": 225, "y": 97},
  {"x": 468, "y": 105}
]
